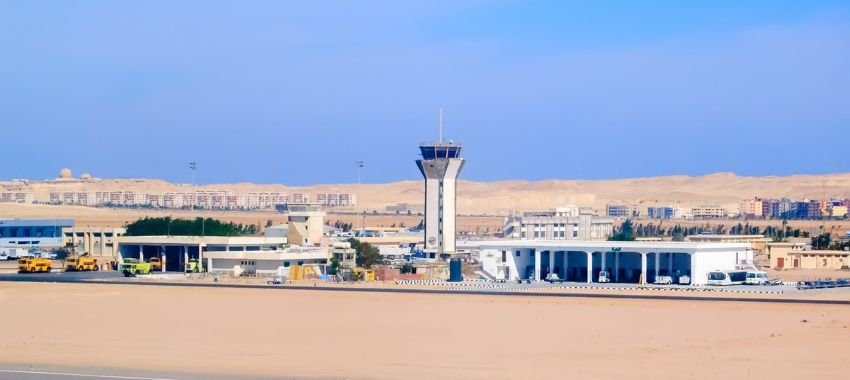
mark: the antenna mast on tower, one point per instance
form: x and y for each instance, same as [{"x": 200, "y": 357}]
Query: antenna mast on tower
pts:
[{"x": 441, "y": 125}]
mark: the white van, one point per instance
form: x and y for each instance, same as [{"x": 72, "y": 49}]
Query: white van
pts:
[{"x": 756, "y": 278}]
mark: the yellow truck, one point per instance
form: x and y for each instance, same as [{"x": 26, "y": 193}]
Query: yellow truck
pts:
[
  {"x": 134, "y": 267},
  {"x": 156, "y": 264},
  {"x": 81, "y": 263},
  {"x": 34, "y": 265},
  {"x": 194, "y": 266}
]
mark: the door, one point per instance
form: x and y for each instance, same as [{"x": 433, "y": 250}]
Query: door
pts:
[
  {"x": 780, "y": 262},
  {"x": 796, "y": 263}
]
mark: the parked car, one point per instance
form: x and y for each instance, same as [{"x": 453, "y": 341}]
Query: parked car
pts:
[{"x": 663, "y": 280}]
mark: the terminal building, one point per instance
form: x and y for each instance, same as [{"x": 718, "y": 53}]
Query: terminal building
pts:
[
  {"x": 564, "y": 223},
  {"x": 626, "y": 261},
  {"x": 25, "y": 233},
  {"x": 95, "y": 241},
  {"x": 240, "y": 255},
  {"x": 250, "y": 255}
]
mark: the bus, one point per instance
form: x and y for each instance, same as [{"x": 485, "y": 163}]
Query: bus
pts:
[{"x": 727, "y": 277}]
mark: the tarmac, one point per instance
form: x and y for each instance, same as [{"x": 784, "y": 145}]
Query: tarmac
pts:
[
  {"x": 614, "y": 291},
  {"x": 18, "y": 372}
]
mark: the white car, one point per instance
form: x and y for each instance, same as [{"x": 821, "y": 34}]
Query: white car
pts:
[{"x": 663, "y": 280}]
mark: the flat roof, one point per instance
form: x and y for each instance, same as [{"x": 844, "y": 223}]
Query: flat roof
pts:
[
  {"x": 195, "y": 240},
  {"x": 721, "y": 237},
  {"x": 599, "y": 244},
  {"x": 824, "y": 252},
  {"x": 36, "y": 222}
]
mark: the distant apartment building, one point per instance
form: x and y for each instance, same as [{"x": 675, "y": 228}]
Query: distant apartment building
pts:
[
  {"x": 621, "y": 211},
  {"x": 782, "y": 208},
  {"x": 128, "y": 198},
  {"x": 203, "y": 199},
  {"x": 805, "y": 209},
  {"x": 84, "y": 198},
  {"x": 264, "y": 200},
  {"x": 154, "y": 200},
  {"x": 16, "y": 197},
  {"x": 566, "y": 223},
  {"x": 661, "y": 212},
  {"x": 336, "y": 199},
  {"x": 300, "y": 198},
  {"x": 176, "y": 200},
  {"x": 708, "y": 212},
  {"x": 753, "y": 208}
]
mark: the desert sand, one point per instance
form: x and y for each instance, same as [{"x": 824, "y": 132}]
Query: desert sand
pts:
[{"x": 391, "y": 336}]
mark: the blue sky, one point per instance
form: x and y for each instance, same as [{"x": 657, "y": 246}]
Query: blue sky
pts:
[{"x": 294, "y": 92}]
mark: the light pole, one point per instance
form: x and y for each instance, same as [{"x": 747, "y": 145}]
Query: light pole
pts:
[
  {"x": 359, "y": 165},
  {"x": 194, "y": 166}
]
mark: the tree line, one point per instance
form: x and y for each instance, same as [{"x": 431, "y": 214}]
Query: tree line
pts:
[
  {"x": 628, "y": 231},
  {"x": 148, "y": 226}
]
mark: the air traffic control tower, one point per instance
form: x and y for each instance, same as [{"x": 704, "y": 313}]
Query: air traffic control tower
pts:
[{"x": 440, "y": 165}]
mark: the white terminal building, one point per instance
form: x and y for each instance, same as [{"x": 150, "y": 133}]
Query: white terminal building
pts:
[
  {"x": 626, "y": 261},
  {"x": 253, "y": 255}
]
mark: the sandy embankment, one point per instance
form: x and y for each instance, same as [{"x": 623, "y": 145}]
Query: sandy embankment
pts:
[{"x": 391, "y": 336}]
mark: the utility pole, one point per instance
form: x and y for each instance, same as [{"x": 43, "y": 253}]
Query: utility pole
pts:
[
  {"x": 194, "y": 166},
  {"x": 359, "y": 165}
]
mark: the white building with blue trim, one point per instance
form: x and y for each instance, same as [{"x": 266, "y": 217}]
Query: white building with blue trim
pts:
[{"x": 624, "y": 261}]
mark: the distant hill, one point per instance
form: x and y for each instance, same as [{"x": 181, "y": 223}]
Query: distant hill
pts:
[{"x": 499, "y": 197}]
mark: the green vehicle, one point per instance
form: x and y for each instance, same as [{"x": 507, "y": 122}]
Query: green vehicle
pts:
[
  {"x": 133, "y": 267},
  {"x": 194, "y": 266}
]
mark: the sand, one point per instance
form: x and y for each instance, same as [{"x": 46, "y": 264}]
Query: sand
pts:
[{"x": 392, "y": 336}]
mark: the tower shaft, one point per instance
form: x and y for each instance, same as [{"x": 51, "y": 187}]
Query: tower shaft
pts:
[{"x": 440, "y": 166}]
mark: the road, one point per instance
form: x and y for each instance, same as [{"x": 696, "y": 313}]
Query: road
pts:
[
  {"x": 116, "y": 278},
  {"x": 18, "y": 372},
  {"x": 60, "y": 276}
]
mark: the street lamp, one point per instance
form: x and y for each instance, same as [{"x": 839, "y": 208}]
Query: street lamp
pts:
[
  {"x": 359, "y": 165},
  {"x": 194, "y": 166}
]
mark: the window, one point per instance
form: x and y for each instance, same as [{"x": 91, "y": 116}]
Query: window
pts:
[
  {"x": 518, "y": 254},
  {"x": 575, "y": 234},
  {"x": 504, "y": 256},
  {"x": 286, "y": 264}
]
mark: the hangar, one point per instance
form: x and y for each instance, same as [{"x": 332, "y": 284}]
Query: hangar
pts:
[
  {"x": 224, "y": 254},
  {"x": 626, "y": 261}
]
